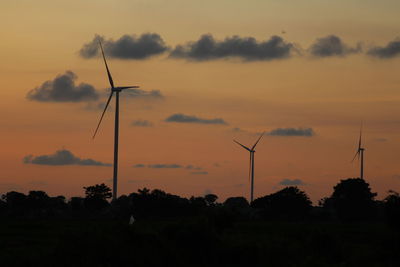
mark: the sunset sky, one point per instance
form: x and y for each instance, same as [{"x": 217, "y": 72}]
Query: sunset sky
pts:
[{"x": 306, "y": 72}]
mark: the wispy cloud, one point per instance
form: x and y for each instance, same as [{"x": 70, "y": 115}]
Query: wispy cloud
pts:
[
  {"x": 192, "y": 167},
  {"x": 164, "y": 166},
  {"x": 126, "y": 47},
  {"x": 142, "y": 123},
  {"x": 245, "y": 48},
  {"x": 62, "y": 157},
  {"x": 63, "y": 89},
  {"x": 182, "y": 118},
  {"x": 139, "y": 166},
  {"x": 306, "y": 132}
]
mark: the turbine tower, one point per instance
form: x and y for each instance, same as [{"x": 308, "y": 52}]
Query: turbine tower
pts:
[
  {"x": 360, "y": 155},
  {"x": 115, "y": 90},
  {"x": 251, "y": 167}
]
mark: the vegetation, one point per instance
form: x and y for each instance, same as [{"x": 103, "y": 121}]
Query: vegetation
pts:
[{"x": 349, "y": 228}]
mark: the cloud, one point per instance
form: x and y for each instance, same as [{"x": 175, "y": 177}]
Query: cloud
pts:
[
  {"x": 192, "y": 167},
  {"x": 142, "y": 123},
  {"x": 62, "y": 157},
  {"x": 291, "y": 182},
  {"x": 391, "y": 50},
  {"x": 164, "y": 166},
  {"x": 199, "y": 173},
  {"x": 307, "y": 132},
  {"x": 139, "y": 166},
  {"x": 63, "y": 89},
  {"x": 332, "y": 45},
  {"x": 126, "y": 47},
  {"x": 182, "y": 118},
  {"x": 139, "y": 93},
  {"x": 246, "y": 48}
]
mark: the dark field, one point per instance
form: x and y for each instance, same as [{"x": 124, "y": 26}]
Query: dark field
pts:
[{"x": 196, "y": 241}]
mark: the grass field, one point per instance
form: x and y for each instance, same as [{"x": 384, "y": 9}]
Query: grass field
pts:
[{"x": 196, "y": 242}]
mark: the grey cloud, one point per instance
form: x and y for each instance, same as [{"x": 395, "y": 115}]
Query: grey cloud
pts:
[
  {"x": 307, "y": 132},
  {"x": 291, "y": 182},
  {"x": 139, "y": 93},
  {"x": 246, "y": 48},
  {"x": 63, "y": 89},
  {"x": 142, "y": 123},
  {"x": 331, "y": 45},
  {"x": 126, "y": 47},
  {"x": 164, "y": 166},
  {"x": 62, "y": 157},
  {"x": 391, "y": 50},
  {"x": 182, "y": 118}
]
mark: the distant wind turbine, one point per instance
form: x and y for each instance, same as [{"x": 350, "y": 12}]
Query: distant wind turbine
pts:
[
  {"x": 360, "y": 155},
  {"x": 251, "y": 167},
  {"x": 117, "y": 90}
]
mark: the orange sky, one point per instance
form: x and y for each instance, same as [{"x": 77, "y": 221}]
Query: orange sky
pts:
[{"x": 331, "y": 95}]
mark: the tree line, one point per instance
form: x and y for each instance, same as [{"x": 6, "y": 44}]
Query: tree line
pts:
[{"x": 351, "y": 200}]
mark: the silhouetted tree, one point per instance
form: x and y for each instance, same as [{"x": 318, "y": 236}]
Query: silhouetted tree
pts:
[
  {"x": 236, "y": 203},
  {"x": 100, "y": 191},
  {"x": 122, "y": 207},
  {"x": 144, "y": 191},
  {"x": 289, "y": 203},
  {"x": 210, "y": 199},
  {"x": 352, "y": 199},
  {"x": 76, "y": 203},
  {"x": 239, "y": 207},
  {"x": 96, "y": 196},
  {"x": 38, "y": 200},
  {"x": 16, "y": 202},
  {"x": 392, "y": 208},
  {"x": 197, "y": 203},
  {"x": 3, "y": 206},
  {"x": 157, "y": 203}
]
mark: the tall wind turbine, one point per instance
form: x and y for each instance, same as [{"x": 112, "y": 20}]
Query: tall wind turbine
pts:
[
  {"x": 360, "y": 155},
  {"x": 251, "y": 167},
  {"x": 115, "y": 90}
]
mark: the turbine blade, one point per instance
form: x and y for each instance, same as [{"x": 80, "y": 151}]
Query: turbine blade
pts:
[
  {"x": 357, "y": 154},
  {"x": 127, "y": 87},
  {"x": 102, "y": 115},
  {"x": 257, "y": 141},
  {"x": 108, "y": 71},
  {"x": 245, "y": 147}
]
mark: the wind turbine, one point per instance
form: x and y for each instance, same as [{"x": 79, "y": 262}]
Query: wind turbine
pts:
[
  {"x": 115, "y": 90},
  {"x": 251, "y": 167},
  {"x": 360, "y": 155}
]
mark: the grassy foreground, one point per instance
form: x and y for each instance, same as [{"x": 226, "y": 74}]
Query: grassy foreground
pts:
[{"x": 196, "y": 242}]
